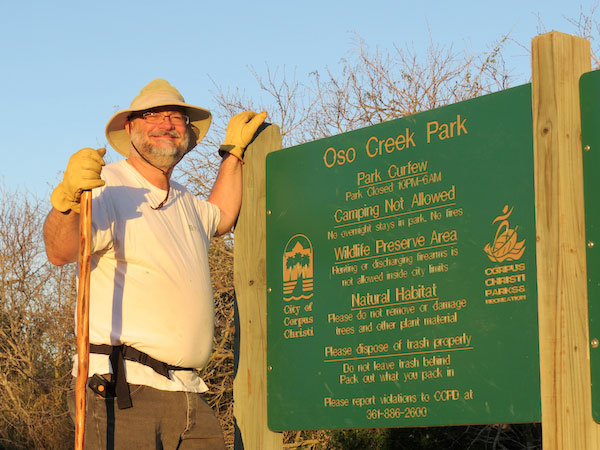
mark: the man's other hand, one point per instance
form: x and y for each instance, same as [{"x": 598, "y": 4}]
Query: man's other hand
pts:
[{"x": 82, "y": 174}]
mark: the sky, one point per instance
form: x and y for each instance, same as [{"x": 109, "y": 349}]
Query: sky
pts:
[{"x": 68, "y": 66}]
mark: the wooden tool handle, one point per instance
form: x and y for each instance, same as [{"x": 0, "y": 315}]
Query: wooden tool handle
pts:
[{"x": 83, "y": 315}]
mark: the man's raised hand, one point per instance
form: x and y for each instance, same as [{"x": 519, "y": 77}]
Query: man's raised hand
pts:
[{"x": 240, "y": 131}]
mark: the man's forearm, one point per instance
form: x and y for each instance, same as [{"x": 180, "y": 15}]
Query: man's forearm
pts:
[
  {"x": 61, "y": 236},
  {"x": 227, "y": 192}
]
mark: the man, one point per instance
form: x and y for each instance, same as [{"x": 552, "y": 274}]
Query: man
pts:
[{"x": 151, "y": 306}]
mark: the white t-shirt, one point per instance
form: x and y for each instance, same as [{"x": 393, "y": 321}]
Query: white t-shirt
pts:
[{"x": 150, "y": 282}]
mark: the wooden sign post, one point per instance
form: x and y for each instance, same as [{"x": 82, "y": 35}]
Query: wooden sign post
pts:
[
  {"x": 250, "y": 278},
  {"x": 558, "y": 62}
]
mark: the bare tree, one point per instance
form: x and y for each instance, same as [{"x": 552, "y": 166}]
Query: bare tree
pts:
[
  {"x": 586, "y": 25},
  {"x": 378, "y": 86},
  {"x": 36, "y": 337}
]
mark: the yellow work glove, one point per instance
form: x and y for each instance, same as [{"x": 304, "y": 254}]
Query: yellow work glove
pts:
[
  {"x": 240, "y": 131},
  {"x": 82, "y": 174}
]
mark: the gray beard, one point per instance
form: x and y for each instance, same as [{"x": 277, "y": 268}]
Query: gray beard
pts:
[{"x": 161, "y": 156}]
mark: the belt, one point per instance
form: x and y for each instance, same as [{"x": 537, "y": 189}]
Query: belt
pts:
[{"x": 117, "y": 354}]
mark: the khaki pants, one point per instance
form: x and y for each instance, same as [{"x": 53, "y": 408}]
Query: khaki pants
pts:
[{"x": 158, "y": 420}]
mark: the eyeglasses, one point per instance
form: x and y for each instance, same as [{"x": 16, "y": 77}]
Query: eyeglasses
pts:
[{"x": 157, "y": 117}]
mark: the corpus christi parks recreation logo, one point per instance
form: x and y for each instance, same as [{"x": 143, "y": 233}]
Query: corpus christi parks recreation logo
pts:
[
  {"x": 506, "y": 246},
  {"x": 298, "y": 268}
]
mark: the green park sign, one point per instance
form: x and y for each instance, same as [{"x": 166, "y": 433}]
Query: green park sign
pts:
[
  {"x": 590, "y": 112},
  {"x": 401, "y": 272}
]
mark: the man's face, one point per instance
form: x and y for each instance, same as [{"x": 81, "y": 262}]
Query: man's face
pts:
[{"x": 162, "y": 143}]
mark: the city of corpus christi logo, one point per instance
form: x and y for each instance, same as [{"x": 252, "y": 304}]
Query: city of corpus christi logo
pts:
[
  {"x": 298, "y": 269},
  {"x": 505, "y": 246}
]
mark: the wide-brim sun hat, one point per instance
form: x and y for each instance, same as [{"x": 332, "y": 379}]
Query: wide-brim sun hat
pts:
[{"x": 155, "y": 94}]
